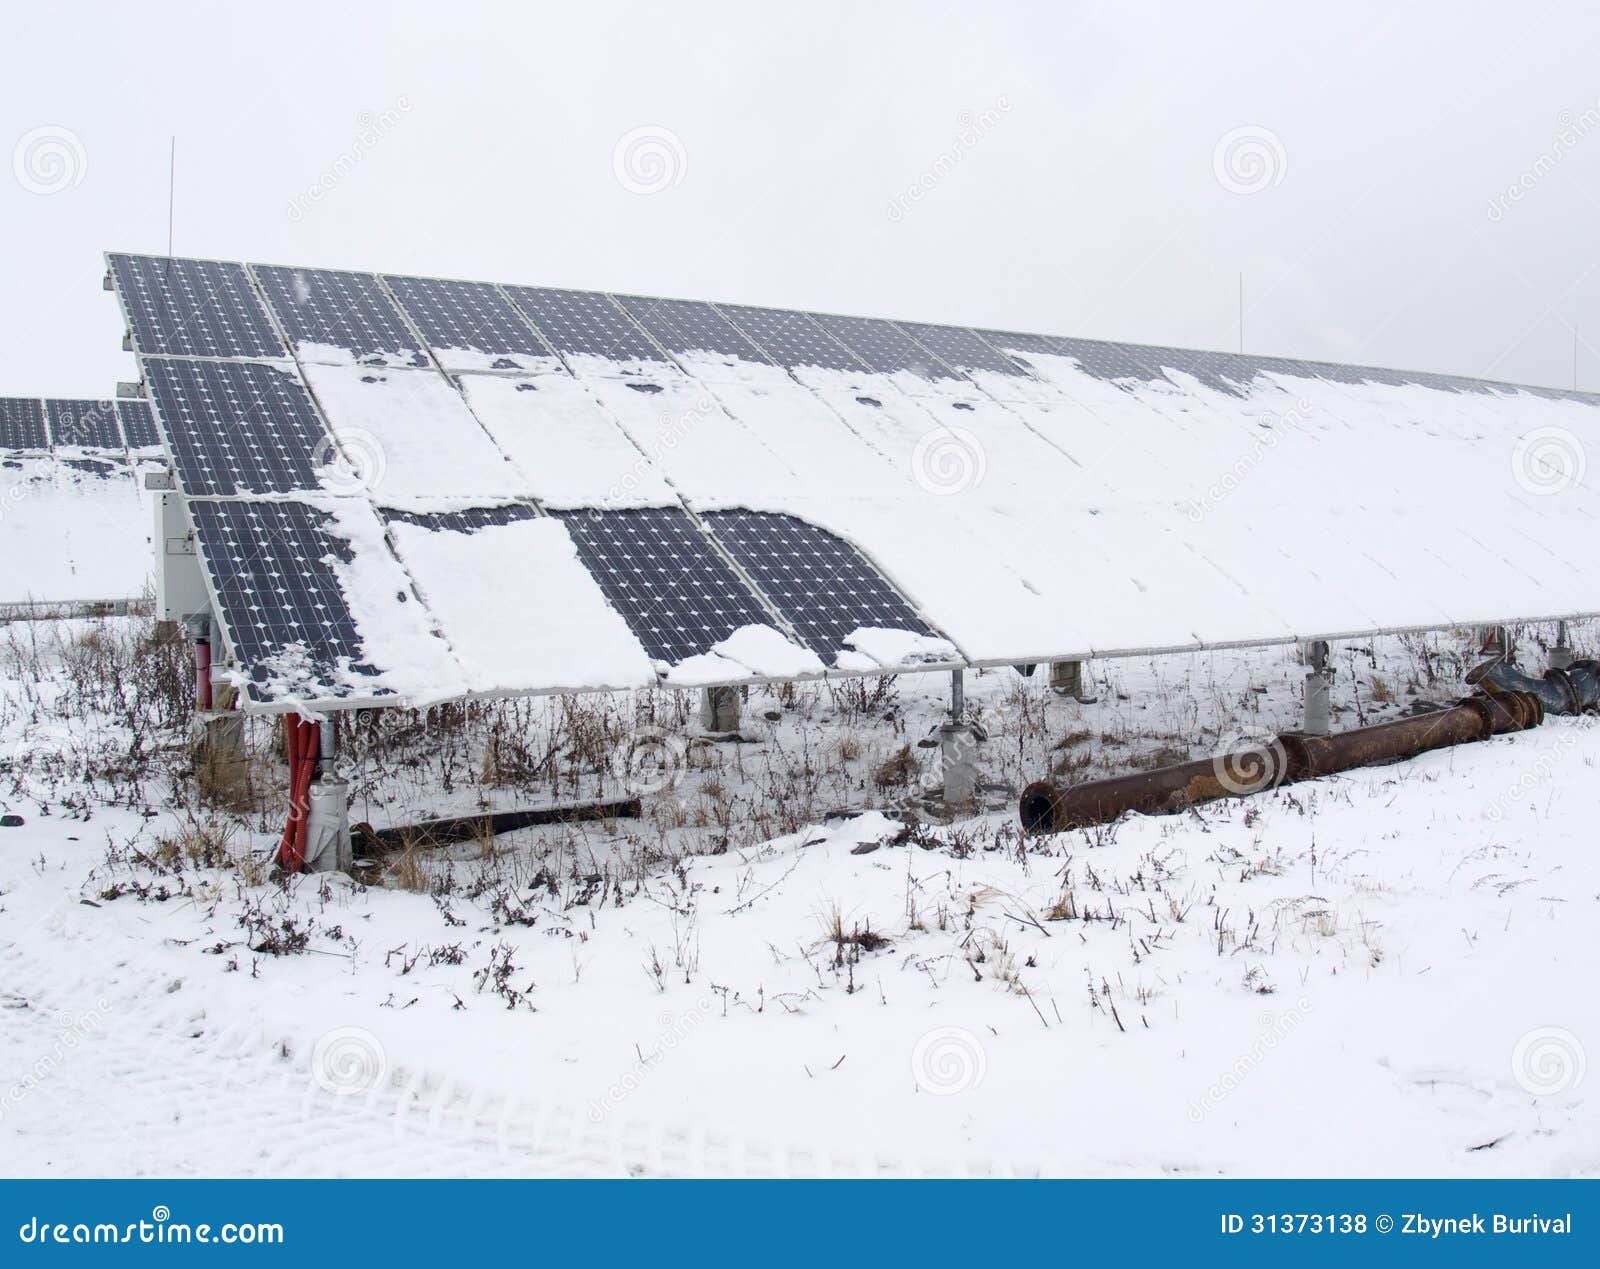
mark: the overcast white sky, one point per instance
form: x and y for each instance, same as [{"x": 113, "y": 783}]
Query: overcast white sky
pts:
[{"x": 1078, "y": 192}]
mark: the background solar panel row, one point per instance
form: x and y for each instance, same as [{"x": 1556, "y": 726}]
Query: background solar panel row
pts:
[
  {"x": 268, "y": 565},
  {"x": 138, "y": 424},
  {"x": 84, "y": 424},
  {"x": 469, "y": 316},
  {"x": 336, "y": 310},
  {"x": 584, "y": 323},
  {"x": 675, "y": 591},
  {"x": 238, "y": 429},
  {"x": 960, "y": 348},
  {"x": 883, "y": 346},
  {"x": 194, "y": 308},
  {"x": 22, "y": 425},
  {"x": 464, "y": 520},
  {"x": 824, "y": 586}
]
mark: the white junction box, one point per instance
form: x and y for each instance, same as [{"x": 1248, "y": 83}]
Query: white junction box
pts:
[{"x": 180, "y": 581}]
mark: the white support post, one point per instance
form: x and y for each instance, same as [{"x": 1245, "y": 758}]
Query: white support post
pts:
[
  {"x": 720, "y": 710},
  {"x": 1319, "y": 690},
  {"x": 1561, "y": 655},
  {"x": 958, "y": 748}
]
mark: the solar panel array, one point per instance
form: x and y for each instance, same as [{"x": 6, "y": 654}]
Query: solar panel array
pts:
[
  {"x": 75, "y": 527},
  {"x": 1021, "y": 497}
]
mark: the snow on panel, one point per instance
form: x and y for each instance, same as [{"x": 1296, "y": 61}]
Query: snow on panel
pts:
[
  {"x": 519, "y": 610},
  {"x": 555, "y": 429},
  {"x": 407, "y": 438},
  {"x": 73, "y": 530}
]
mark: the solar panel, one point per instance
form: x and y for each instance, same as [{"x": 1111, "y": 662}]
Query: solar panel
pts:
[
  {"x": 677, "y": 594},
  {"x": 84, "y": 424},
  {"x": 790, "y": 339},
  {"x": 284, "y": 611},
  {"x": 584, "y": 324},
  {"x": 824, "y": 586},
  {"x": 194, "y": 308},
  {"x": 685, "y": 326},
  {"x": 238, "y": 429},
  {"x": 337, "y": 318},
  {"x": 22, "y": 424},
  {"x": 464, "y": 519},
  {"x": 470, "y": 325},
  {"x": 884, "y": 346},
  {"x": 138, "y": 425},
  {"x": 960, "y": 348}
]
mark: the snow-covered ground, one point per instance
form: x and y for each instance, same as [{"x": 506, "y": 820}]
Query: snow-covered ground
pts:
[{"x": 1384, "y": 973}]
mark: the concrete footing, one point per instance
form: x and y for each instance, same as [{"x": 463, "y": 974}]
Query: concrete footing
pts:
[
  {"x": 328, "y": 846},
  {"x": 958, "y": 760},
  {"x": 720, "y": 709},
  {"x": 1066, "y": 679}
]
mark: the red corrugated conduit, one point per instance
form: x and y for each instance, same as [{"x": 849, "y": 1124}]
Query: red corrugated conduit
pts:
[{"x": 302, "y": 742}]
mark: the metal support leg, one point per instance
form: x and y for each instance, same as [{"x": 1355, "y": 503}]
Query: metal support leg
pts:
[
  {"x": 1561, "y": 657},
  {"x": 1319, "y": 685}
]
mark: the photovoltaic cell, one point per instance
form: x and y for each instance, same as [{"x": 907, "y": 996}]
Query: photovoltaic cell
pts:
[
  {"x": 22, "y": 424},
  {"x": 677, "y": 594},
  {"x": 237, "y": 429},
  {"x": 194, "y": 308},
  {"x": 584, "y": 323},
  {"x": 84, "y": 424},
  {"x": 791, "y": 339},
  {"x": 138, "y": 425},
  {"x": 824, "y": 586},
  {"x": 339, "y": 318},
  {"x": 682, "y": 326},
  {"x": 472, "y": 316},
  {"x": 883, "y": 346},
  {"x": 280, "y": 600},
  {"x": 960, "y": 348},
  {"x": 464, "y": 520}
]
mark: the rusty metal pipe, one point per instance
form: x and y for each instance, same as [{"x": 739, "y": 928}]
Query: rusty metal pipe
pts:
[{"x": 1049, "y": 808}]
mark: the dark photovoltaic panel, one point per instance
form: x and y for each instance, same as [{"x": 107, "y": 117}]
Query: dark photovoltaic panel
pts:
[
  {"x": 194, "y": 308},
  {"x": 823, "y": 585},
  {"x": 883, "y": 346},
  {"x": 791, "y": 339},
  {"x": 84, "y": 424},
  {"x": 677, "y": 594},
  {"x": 469, "y": 315},
  {"x": 22, "y": 424},
  {"x": 584, "y": 323},
  {"x": 465, "y": 520},
  {"x": 682, "y": 326},
  {"x": 277, "y": 593},
  {"x": 138, "y": 425},
  {"x": 238, "y": 429},
  {"x": 340, "y": 310},
  {"x": 960, "y": 348}
]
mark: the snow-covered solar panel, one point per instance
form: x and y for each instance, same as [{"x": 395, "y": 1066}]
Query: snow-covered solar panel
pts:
[
  {"x": 137, "y": 425},
  {"x": 678, "y": 595},
  {"x": 238, "y": 429},
  {"x": 193, "y": 308},
  {"x": 471, "y": 325},
  {"x": 885, "y": 348},
  {"x": 287, "y": 617},
  {"x": 821, "y": 584},
  {"x": 337, "y": 318},
  {"x": 960, "y": 349},
  {"x": 22, "y": 425},
  {"x": 84, "y": 424},
  {"x": 685, "y": 326},
  {"x": 585, "y": 325}
]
